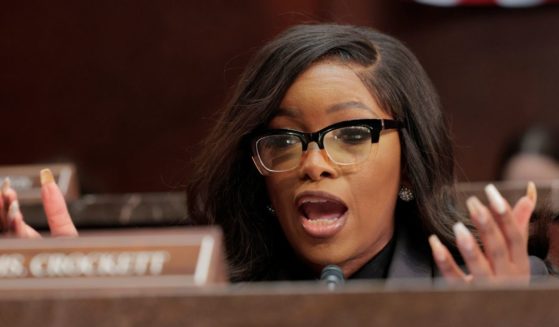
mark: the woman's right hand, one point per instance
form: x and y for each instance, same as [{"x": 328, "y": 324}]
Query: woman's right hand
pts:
[{"x": 59, "y": 220}]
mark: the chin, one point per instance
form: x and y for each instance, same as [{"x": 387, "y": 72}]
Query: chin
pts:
[{"x": 322, "y": 255}]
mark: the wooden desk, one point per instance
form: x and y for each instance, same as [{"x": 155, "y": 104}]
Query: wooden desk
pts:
[{"x": 284, "y": 304}]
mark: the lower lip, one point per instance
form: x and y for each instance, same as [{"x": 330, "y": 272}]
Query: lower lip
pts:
[{"x": 323, "y": 229}]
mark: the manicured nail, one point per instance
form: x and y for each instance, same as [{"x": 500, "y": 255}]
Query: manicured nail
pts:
[
  {"x": 472, "y": 207},
  {"x": 46, "y": 176},
  {"x": 531, "y": 192},
  {"x": 476, "y": 209},
  {"x": 437, "y": 247},
  {"x": 6, "y": 185},
  {"x": 13, "y": 211},
  {"x": 496, "y": 200},
  {"x": 463, "y": 237}
]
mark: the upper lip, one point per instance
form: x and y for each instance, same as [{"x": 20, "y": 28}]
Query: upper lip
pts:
[{"x": 309, "y": 196}]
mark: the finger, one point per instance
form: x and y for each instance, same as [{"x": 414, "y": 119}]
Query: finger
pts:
[
  {"x": 494, "y": 243},
  {"x": 474, "y": 258},
  {"x": 9, "y": 196},
  {"x": 4, "y": 204},
  {"x": 523, "y": 209},
  {"x": 3, "y": 220},
  {"x": 18, "y": 226},
  {"x": 30, "y": 232},
  {"x": 515, "y": 238},
  {"x": 445, "y": 262},
  {"x": 58, "y": 218},
  {"x": 522, "y": 212}
]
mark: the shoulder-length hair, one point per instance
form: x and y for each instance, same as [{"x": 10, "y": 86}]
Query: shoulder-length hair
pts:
[{"x": 226, "y": 189}]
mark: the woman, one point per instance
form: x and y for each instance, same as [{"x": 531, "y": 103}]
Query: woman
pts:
[
  {"x": 333, "y": 150},
  {"x": 316, "y": 76}
]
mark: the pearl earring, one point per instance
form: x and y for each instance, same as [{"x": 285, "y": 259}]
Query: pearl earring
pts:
[
  {"x": 406, "y": 194},
  {"x": 271, "y": 210}
]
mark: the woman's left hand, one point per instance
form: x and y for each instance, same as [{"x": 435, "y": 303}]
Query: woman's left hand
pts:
[{"x": 504, "y": 234}]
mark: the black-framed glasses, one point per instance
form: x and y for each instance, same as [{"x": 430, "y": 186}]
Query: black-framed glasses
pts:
[{"x": 346, "y": 143}]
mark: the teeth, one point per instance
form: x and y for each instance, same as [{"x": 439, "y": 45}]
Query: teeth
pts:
[
  {"x": 322, "y": 221},
  {"x": 314, "y": 201}
]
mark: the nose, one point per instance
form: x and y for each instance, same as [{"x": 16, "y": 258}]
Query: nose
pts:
[{"x": 315, "y": 164}]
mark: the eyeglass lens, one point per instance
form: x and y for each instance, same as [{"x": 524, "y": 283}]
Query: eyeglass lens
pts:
[{"x": 346, "y": 145}]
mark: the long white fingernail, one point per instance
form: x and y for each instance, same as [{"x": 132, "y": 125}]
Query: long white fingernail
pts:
[
  {"x": 13, "y": 210},
  {"x": 437, "y": 247},
  {"x": 6, "y": 185},
  {"x": 476, "y": 209},
  {"x": 463, "y": 236},
  {"x": 496, "y": 200},
  {"x": 472, "y": 206}
]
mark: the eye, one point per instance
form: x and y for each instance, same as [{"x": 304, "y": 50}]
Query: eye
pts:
[
  {"x": 283, "y": 141},
  {"x": 279, "y": 152},
  {"x": 278, "y": 142},
  {"x": 352, "y": 135}
]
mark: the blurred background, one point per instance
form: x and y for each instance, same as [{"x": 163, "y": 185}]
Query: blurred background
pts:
[{"x": 126, "y": 89}]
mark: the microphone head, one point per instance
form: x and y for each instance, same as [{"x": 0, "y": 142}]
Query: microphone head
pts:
[{"x": 333, "y": 276}]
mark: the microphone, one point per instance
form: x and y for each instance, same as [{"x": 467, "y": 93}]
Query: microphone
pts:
[{"x": 333, "y": 276}]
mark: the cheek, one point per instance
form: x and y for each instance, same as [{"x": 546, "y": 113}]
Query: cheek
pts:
[
  {"x": 279, "y": 188},
  {"x": 375, "y": 186},
  {"x": 375, "y": 193}
]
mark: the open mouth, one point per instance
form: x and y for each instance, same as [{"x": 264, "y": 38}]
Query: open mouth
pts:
[{"x": 321, "y": 214}]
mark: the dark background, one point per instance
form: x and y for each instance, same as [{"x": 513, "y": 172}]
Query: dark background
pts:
[{"x": 126, "y": 89}]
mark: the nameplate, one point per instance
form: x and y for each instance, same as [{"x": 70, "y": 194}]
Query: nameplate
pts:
[
  {"x": 123, "y": 259},
  {"x": 26, "y": 181}
]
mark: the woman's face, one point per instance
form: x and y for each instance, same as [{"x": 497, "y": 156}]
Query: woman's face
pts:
[{"x": 334, "y": 214}]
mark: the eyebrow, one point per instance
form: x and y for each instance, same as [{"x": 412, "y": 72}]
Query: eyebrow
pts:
[
  {"x": 287, "y": 111},
  {"x": 295, "y": 112},
  {"x": 349, "y": 105}
]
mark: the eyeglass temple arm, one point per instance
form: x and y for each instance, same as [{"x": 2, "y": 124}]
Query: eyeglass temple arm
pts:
[{"x": 390, "y": 124}]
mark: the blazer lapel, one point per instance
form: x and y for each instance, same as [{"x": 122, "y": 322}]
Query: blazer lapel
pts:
[{"x": 411, "y": 258}]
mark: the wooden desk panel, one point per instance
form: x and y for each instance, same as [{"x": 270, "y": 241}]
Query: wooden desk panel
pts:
[
  {"x": 548, "y": 192},
  {"x": 296, "y": 304}
]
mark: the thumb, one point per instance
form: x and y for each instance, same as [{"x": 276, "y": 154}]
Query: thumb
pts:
[{"x": 58, "y": 218}]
